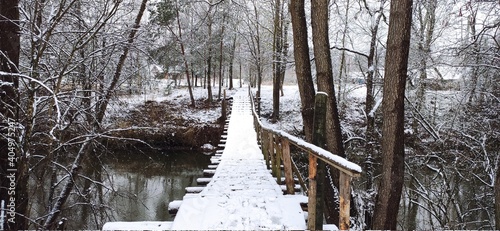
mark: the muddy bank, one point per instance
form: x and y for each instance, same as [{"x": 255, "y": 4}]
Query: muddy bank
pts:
[{"x": 168, "y": 126}]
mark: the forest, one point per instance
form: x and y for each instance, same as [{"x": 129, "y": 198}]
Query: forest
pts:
[{"x": 426, "y": 129}]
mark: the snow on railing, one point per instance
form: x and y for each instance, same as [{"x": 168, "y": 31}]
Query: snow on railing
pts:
[{"x": 275, "y": 148}]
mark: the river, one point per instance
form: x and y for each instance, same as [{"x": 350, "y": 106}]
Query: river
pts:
[{"x": 136, "y": 187}]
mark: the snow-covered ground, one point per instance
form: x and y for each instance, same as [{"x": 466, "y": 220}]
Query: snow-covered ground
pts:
[{"x": 164, "y": 92}]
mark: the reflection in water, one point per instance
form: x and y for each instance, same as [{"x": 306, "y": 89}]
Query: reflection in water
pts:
[
  {"x": 151, "y": 183},
  {"x": 136, "y": 187},
  {"x": 441, "y": 198}
]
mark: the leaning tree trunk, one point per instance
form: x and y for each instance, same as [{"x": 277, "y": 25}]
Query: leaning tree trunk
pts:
[
  {"x": 302, "y": 65},
  {"x": 396, "y": 65},
  {"x": 184, "y": 59}
]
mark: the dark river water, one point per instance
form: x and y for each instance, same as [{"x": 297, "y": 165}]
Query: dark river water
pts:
[
  {"x": 152, "y": 182},
  {"x": 137, "y": 187}
]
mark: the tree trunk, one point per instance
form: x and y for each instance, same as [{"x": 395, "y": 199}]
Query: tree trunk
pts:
[
  {"x": 342, "y": 68},
  {"x": 370, "y": 135},
  {"x": 258, "y": 63},
  {"x": 231, "y": 64},
  {"x": 319, "y": 22},
  {"x": 221, "y": 55},
  {"x": 240, "y": 76},
  {"x": 277, "y": 51},
  {"x": 302, "y": 65},
  {"x": 426, "y": 25},
  {"x": 284, "y": 59},
  {"x": 183, "y": 52},
  {"x": 396, "y": 65},
  {"x": 209, "y": 62},
  {"x": 10, "y": 46},
  {"x": 103, "y": 104},
  {"x": 497, "y": 199}
]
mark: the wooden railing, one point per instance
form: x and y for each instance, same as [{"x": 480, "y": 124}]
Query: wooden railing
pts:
[{"x": 276, "y": 148}]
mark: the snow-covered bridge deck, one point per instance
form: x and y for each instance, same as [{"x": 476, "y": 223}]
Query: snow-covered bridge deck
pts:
[{"x": 242, "y": 193}]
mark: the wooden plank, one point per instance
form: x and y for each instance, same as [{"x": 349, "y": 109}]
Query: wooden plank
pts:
[
  {"x": 311, "y": 218},
  {"x": 203, "y": 180},
  {"x": 173, "y": 206},
  {"x": 345, "y": 201},
  {"x": 194, "y": 189},
  {"x": 208, "y": 172},
  {"x": 299, "y": 176},
  {"x": 287, "y": 162},
  {"x": 212, "y": 166}
]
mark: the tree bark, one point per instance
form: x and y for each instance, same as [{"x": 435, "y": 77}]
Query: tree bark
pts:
[
  {"x": 221, "y": 47},
  {"x": 396, "y": 65},
  {"x": 497, "y": 200},
  {"x": 209, "y": 62},
  {"x": 231, "y": 63},
  {"x": 277, "y": 56},
  {"x": 302, "y": 64},
  {"x": 183, "y": 52},
  {"x": 319, "y": 22}
]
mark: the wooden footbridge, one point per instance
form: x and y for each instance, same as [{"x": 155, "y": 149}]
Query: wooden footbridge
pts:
[{"x": 244, "y": 192}]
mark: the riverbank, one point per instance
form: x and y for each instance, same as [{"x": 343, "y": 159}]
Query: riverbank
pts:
[{"x": 165, "y": 121}]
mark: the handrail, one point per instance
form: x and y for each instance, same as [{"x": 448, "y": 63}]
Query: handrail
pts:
[
  {"x": 275, "y": 147},
  {"x": 336, "y": 161}
]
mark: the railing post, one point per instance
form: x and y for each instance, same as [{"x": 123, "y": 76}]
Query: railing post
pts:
[
  {"x": 271, "y": 152},
  {"x": 279, "y": 151},
  {"x": 345, "y": 200},
  {"x": 317, "y": 166},
  {"x": 311, "y": 193},
  {"x": 265, "y": 147},
  {"x": 287, "y": 163},
  {"x": 257, "y": 98}
]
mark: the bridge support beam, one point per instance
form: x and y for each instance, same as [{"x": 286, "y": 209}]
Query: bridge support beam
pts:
[
  {"x": 344, "y": 201},
  {"x": 317, "y": 166}
]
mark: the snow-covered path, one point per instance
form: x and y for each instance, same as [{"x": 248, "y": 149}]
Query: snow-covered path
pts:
[{"x": 242, "y": 193}]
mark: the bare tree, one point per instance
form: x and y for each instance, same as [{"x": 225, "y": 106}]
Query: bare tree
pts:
[
  {"x": 15, "y": 205},
  {"x": 279, "y": 55},
  {"x": 85, "y": 148}
]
